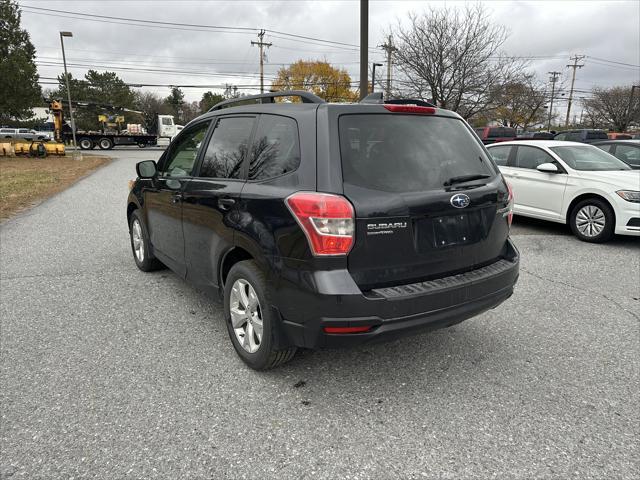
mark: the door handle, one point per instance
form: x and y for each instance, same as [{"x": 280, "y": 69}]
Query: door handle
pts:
[
  {"x": 177, "y": 198},
  {"x": 226, "y": 203}
]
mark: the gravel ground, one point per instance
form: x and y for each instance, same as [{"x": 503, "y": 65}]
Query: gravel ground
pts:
[{"x": 108, "y": 372}]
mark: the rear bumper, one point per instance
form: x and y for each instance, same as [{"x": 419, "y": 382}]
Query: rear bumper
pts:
[{"x": 391, "y": 312}]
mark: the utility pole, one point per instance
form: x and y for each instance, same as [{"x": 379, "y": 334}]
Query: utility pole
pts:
[
  {"x": 630, "y": 106},
  {"x": 66, "y": 77},
  {"x": 373, "y": 76},
  {"x": 575, "y": 66},
  {"x": 364, "y": 47},
  {"x": 261, "y": 45},
  {"x": 553, "y": 79},
  {"x": 389, "y": 48}
]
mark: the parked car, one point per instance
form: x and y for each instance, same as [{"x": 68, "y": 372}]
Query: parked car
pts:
[
  {"x": 619, "y": 136},
  {"x": 584, "y": 135},
  {"x": 322, "y": 224},
  {"x": 626, "y": 150},
  {"x": 535, "y": 136},
  {"x": 490, "y": 135},
  {"x": 22, "y": 133},
  {"x": 592, "y": 191}
]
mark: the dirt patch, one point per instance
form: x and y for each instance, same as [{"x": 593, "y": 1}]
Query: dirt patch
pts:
[{"x": 27, "y": 181}]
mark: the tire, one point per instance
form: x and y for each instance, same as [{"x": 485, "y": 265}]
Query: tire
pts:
[
  {"x": 137, "y": 228},
  {"x": 142, "y": 145},
  {"x": 592, "y": 220},
  {"x": 105, "y": 143},
  {"x": 247, "y": 275},
  {"x": 86, "y": 143}
]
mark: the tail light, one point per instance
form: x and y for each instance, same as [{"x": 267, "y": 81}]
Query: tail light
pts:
[
  {"x": 410, "y": 109},
  {"x": 510, "y": 204},
  {"x": 326, "y": 219}
]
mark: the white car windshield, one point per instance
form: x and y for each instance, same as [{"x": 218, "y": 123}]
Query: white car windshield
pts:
[{"x": 588, "y": 158}]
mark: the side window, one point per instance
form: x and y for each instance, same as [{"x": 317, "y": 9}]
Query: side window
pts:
[
  {"x": 276, "y": 148},
  {"x": 628, "y": 154},
  {"x": 560, "y": 136},
  {"x": 606, "y": 148},
  {"x": 184, "y": 151},
  {"x": 531, "y": 157},
  {"x": 574, "y": 136},
  {"x": 167, "y": 121},
  {"x": 227, "y": 148},
  {"x": 500, "y": 154}
]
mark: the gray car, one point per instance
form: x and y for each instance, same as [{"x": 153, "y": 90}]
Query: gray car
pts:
[{"x": 22, "y": 133}]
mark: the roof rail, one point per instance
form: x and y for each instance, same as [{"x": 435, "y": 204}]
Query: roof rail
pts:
[
  {"x": 376, "y": 98},
  {"x": 306, "y": 97}
]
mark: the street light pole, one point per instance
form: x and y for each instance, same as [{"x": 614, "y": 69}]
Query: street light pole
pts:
[
  {"x": 66, "y": 77},
  {"x": 373, "y": 77},
  {"x": 364, "y": 47}
]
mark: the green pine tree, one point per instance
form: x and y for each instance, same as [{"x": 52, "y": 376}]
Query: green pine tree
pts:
[{"x": 19, "y": 87}]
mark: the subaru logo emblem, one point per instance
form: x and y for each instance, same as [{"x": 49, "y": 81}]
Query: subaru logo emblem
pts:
[{"x": 460, "y": 200}]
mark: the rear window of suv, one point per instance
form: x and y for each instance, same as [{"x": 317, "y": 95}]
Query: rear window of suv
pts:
[{"x": 408, "y": 153}]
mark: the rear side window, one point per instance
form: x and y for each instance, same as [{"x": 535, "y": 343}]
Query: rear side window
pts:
[
  {"x": 408, "y": 153},
  {"x": 227, "y": 148},
  {"x": 499, "y": 132},
  {"x": 500, "y": 154},
  {"x": 531, "y": 157},
  {"x": 276, "y": 148}
]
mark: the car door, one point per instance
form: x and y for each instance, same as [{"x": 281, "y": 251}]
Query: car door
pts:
[
  {"x": 211, "y": 198},
  {"x": 163, "y": 199},
  {"x": 537, "y": 194}
]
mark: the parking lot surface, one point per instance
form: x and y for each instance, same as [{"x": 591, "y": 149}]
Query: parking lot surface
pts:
[{"x": 108, "y": 372}]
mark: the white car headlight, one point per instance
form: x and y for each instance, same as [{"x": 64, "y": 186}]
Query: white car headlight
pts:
[{"x": 629, "y": 195}]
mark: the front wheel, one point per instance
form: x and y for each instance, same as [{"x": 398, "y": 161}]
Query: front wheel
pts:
[
  {"x": 250, "y": 321},
  {"x": 592, "y": 220},
  {"x": 140, "y": 246}
]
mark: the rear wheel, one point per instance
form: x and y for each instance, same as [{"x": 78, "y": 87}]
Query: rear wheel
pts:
[
  {"x": 86, "y": 143},
  {"x": 105, "y": 143},
  {"x": 592, "y": 220},
  {"x": 250, "y": 320},
  {"x": 140, "y": 245}
]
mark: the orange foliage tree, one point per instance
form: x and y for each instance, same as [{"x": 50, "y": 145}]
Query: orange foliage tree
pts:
[{"x": 330, "y": 83}]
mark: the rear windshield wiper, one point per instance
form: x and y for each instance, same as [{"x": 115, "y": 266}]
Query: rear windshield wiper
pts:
[{"x": 464, "y": 178}]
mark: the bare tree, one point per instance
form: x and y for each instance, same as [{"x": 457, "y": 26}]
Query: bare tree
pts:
[
  {"x": 613, "y": 108},
  {"x": 521, "y": 104},
  {"x": 453, "y": 58}
]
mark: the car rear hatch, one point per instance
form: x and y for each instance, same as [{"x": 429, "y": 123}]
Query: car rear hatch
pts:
[{"x": 428, "y": 201}]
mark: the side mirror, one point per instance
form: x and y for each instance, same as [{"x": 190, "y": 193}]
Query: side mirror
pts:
[
  {"x": 547, "y": 168},
  {"x": 146, "y": 169}
]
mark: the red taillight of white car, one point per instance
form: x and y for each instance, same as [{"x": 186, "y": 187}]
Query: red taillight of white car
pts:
[{"x": 326, "y": 219}]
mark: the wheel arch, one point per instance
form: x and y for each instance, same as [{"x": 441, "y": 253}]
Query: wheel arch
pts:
[
  {"x": 586, "y": 196},
  {"x": 233, "y": 256}
]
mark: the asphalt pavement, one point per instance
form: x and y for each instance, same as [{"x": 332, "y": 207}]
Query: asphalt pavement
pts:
[{"x": 111, "y": 373}]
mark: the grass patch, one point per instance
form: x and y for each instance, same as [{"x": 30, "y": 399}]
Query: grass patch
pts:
[{"x": 27, "y": 181}]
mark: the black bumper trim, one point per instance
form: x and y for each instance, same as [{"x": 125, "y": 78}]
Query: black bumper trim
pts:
[{"x": 442, "y": 284}]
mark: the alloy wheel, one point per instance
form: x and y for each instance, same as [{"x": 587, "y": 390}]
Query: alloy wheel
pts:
[
  {"x": 590, "y": 221},
  {"x": 246, "y": 315},
  {"x": 138, "y": 242}
]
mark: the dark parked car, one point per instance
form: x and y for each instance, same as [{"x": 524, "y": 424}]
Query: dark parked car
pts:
[
  {"x": 626, "y": 150},
  {"x": 535, "y": 136},
  {"x": 322, "y": 224},
  {"x": 496, "y": 134},
  {"x": 584, "y": 136}
]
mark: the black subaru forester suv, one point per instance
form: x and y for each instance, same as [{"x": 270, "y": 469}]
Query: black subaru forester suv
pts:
[{"x": 323, "y": 224}]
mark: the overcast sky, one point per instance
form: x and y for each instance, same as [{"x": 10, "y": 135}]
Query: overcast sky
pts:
[{"x": 607, "y": 32}]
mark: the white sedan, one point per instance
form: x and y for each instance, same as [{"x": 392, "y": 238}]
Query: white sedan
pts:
[{"x": 573, "y": 183}]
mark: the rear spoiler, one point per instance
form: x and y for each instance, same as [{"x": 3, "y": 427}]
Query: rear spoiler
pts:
[{"x": 377, "y": 98}]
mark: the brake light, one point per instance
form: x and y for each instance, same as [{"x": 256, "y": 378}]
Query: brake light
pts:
[
  {"x": 326, "y": 219},
  {"x": 362, "y": 329},
  {"x": 410, "y": 109},
  {"x": 510, "y": 204}
]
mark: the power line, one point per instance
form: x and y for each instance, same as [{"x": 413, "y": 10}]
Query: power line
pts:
[
  {"x": 553, "y": 80},
  {"x": 187, "y": 26}
]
